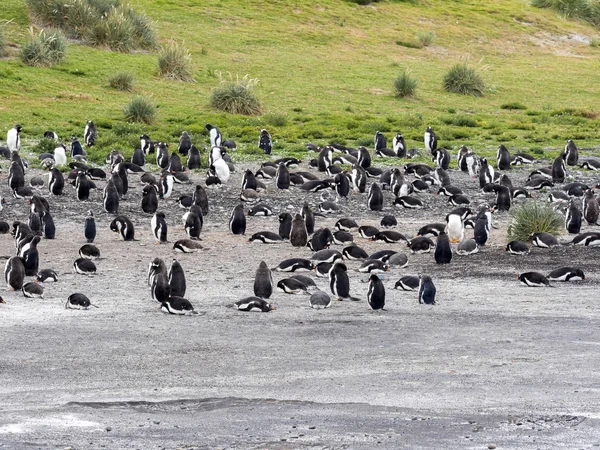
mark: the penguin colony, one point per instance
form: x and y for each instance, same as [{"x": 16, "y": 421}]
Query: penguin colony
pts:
[{"x": 410, "y": 186}]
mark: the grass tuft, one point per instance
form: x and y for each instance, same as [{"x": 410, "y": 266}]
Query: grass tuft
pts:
[
  {"x": 585, "y": 10},
  {"x": 513, "y": 106},
  {"x": 174, "y": 62},
  {"x": 405, "y": 85},
  {"x": 464, "y": 80},
  {"x": 121, "y": 81},
  {"x": 46, "y": 48},
  {"x": 236, "y": 96},
  {"x": 425, "y": 38},
  {"x": 534, "y": 217},
  {"x": 140, "y": 109},
  {"x": 594, "y": 42}
]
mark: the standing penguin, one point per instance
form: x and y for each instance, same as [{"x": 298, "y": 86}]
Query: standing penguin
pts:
[
  {"x": 193, "y": 161},
  {"x": 185, "y": 144},
  {"x": 110, "y": 198},
  {"x": 483, "y": 225},
  {"x": 359, "y": 179},
  {"x": 443, "y": 250},
  {"x": 573, "y": 218},
  {"x": 48, "y": 225},
  {"x": 200, "y": 198},
  {"x": 399, "y": 145},
  {"x": 298, "y": 233},
  {"x": 430, "y": 140},
  {"x": 375, "y": 199},
  {"x": 380, "y": 141},
  {"x": 193, "y": 222},
  {"x": 60, "y": 155},
  {"x": 364, "y": 158},
  {"x": 237, "y": 221},
  {"x": 285, "y": 225},
  {"x": 146, "y": 144},
  {"x": 427, "y": 290},
  {"x": 502, "y": 198},
  {"x": 166, "y": 185},
  {"x": 215, "y": 135},
  {"x": 339, "y": 283},
  {"x": 590, "y": 207},
  {"x": 249, "y": 180},
  {"x": 16, "y": 176},
  {"x": 56, "y": 181},
  {"x": 13, "y": 138},
  {"x": 263, "y": 281},
  {"x": 264, "y": 142},
  {"x": 158, "y": 224},
  {"x": 502, "y": 158},
  {"x": 571, "y": 153},
  {"x": 177, "y": 279},
  {"x": 14, "y": 273},
  {"x": 76, "y": 148},
  {"x": 138, "y": 157},
  {"x": 149, "y": 199},
  {"x": 486, "y": 173},
  {"x": 309, "y": 218},
  {"x": 282, "y": 177},
  {"x": 89, "y": 228},
  {"x": 83, "y": 185},
  {"x": 31, "y": 256},
  {"x": 90, "y": 133},
  {"x": 341, "y": 185},
  {"x": 559, "y": 170},
  {"x": 162, "y": 155},
  {"x": 376, "y": 293}
]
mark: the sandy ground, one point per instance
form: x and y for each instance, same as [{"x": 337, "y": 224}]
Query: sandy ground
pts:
[{"x": 492, "y": 364}]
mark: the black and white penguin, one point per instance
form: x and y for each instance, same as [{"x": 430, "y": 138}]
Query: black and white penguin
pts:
[
  {"x": 185, "y": 144},
  {"x": 359, "y": 179},
  {"x": 36, "y": 182},
  {"x": 265, "y": 237},
  {"x": 254, "y": 304},
  {"x": 454, "y": 227},
  {"x": 346, "y": 224},
  {"x": 503, "y": 158},
  {"x": 533, "y": 279},
  {"x": 320, "y": 240},
  {"x": 382, "y": 255},
  {"x": 89, "y": 227},
  {"x": 178, "y": 306},
  {"x": 175, "y": 167},
  {"x": 166, "y": 186},
  {"x": 49, "y": 229},
  {"x": 298, "y": 233},
  {"x": 389, "y": 237},
  {"x": 187, "y": 246},
  {"x": 218, "y": 165},
  {"x": 427, "y": 290},
  {"x": 124, "y": 227},
  {"x": 264, "y": 142},
  {"x": 388, "y": 221},
  {"x": 263, "y": 281},
  {"x": 156, "y": 267},
  {"x": 110, "y": 198},
  {"x": 441, "y": 158},
  {"x": 237, "y": 220},
  {"x": 591, "y": 208},
  {"x": 503, "y": 198},
  {"x": 483, "y": 226},
  {"x": 291, "y": 286},
  {"x": 177, "y": 279},
  {"x": 60, "y": 155},
  {"x": 380, "y": 141},
  {"x": 430, "y": 140},
  {"x": 538, "y": 183},
  {"x": 367, "y": 231},
  {"x": 285, "y": 225},
  {"x": 78, "y": 301},
  {"x": 522, "y": 158},
  {"x": 149, "y": 199},
  {"x": 459, "y": 200},
  {"x": 309, "y": 218},
  {"x": 467, "y": 247},
  {"x": 282, "y": 177},
  {"x": 14, "y": 273},
  {"x": 84, "y": 266},
  {"x": 373, "y": 266},
  {"x": 566, "y": 274},
  {"x": 399, "y": 145},
  {"x": 294, "y": 265},
  {"x": 591, "y": 164},
  {"x": 354, "y": 253},
  {"x": 443, "y": 250},
  {"x": 486, "y": 172},
  {"x": 408, "y": 202},
  {"x": 137, "y": 157},
  {"x": 433, "y": 229},
  {"x": 35, "y": 224},
  {"x": 158, "y": 225},
  {"x": 193, "y": 222},
  {"x": 216, "y": 138},
  {"x": 16, "y": 176},
  {"x": 559, "y": 169},
  {"x": 89, "y": 251},
  {"x": 407, "y": 283},
  {"x": 51, "y": 135},
  {"x": 319, "y": 300},
  {"x": 339, "y": 283},
  {"x": 420, "y": 244},
  {"x": 375, "y": 198},
  {"x": 573, "y": 218},
  {"x": 146, "y": 144},
  {"x": 31, "y": 256},
  {"x": 571, "y": 153},
  {"x": 544, "y": 240},
  {"x": 13, "y": 138},
  {"x": 193, "y": 161},
  {"x": 83, "y": 186},
  {"x": 376, "y": 293},
  {"x": 326, "y": 255},
  {"x": 46, "y": 276},
  {"x": 517, "y": 248},
  {"x": 364, "y": 158},
  {"x": 90, "y": 134},
  {"x": 249, "y": 180},
  {"x": 76, "y": 148},
  {"x": 341, "y": 184}
]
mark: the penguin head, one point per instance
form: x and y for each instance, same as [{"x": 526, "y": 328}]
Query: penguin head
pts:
[{"x": 18, "y": 127}]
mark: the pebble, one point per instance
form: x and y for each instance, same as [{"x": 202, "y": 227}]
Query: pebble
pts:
[{"x": 108, "y": 429}]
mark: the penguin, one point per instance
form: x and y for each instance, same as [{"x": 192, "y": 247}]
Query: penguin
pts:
[
  {"x": 591, "y": 208},
  {"x": 166, "y": 186},
  {"x": 157, "y": 267},
  {"x": 237, "y": 220},
  {"x": 250, "y": 196},
  {"x": 359, "y": 179},
  {"x": 48, "y": 225},
  {"x": 309, "y": 218},
  {"x": 467, "y": 247},
  {"x": 373, "y": 266},
  {"x": 483, "y": 226},
  {"x": 285, "y": 225},
  {"x": 434, "y": 229},
  {"x": 486, "y": 173},
  {"x": 443, "y": 250},
  {"x": 266, "y": 237},
  {"x": 454, "y": 228},
  {"x": 517, "y": 248},
  {"x": 346, "y": 224},
  {"x": 430, "y": 140},
  {"x": 162, "y": 155},
  {"x": 591, "y": 164},
  {"x": 51, "y": 135},
  {"x": 367, "y": 231},
  {"x": 76, "y": 148},
  {"x": 124, "y": 227},
  {"x": 408, "y": 202},
  {"x": 175, "y": 165},
  {"x": 399, "y": 145},
  {"x": 390, "y": 237},
  {"x": 566, "y": 274},
  {"x": 319, "y": 300},
  {"x": 282, "y": 177},
  {"x": 14, "y": 273},
  {"x": 380, "y": 141},
  {"x": 573, "y": 218},
  {"x": 264, "y": 142},
  {"x": 354, "y": 253},
  {"x": 149, "y": 199},
  {"x": 533, "y": 279},
  {"x": 341, "y": 184},
  {"x": 36, "y": 182},
  {"x": 187, "y": 246},
  {"x": 4, "y": 226},
  {"x": 398, "y": 186},
  {"x": 502, "y": 158},
  {"x": 559, "y": 170},
  {"x": 33, "y": 290},
  {"x": 291, "y": 286},
  {"x": 83, "y": 185},
  {"x": 388, "y": 222},
  {"x": 458, "y": 200},
  {"x": 90, "y": 133},
  {"x": 326, "y": 255},
  {"x": 35, "y": 224},
  {"x": 420, "y": 244},
  {"x": 185, "y": 201},
  {"x": 427, "y": 290},
  {"x": 544, "y": 240},
  {"x": 294, "y": 265},
  {"x": 219, "y": 166},
  {"x": 407, "y": 283},
  {"x": 364, "y": 158},
  {"x": 146, "y": 144},
  {"x": 398, "y": 260},
  {"x": 193, "y": 223},
  {"x": 84, "y": 266},
  {"x": 538, "y": 183},
  {"x": 339, "y": 283},
  {"x": 263, "y": 281},
  {"x": 441, "y": 158},
  {"x": 137, "y": 157},
  {"x": 89, "y": 251},
  {"x": 254, "y": 304},
  {"x": 31, "y": 256},
  {"x": 503, "y": 195},
  {"x": 78, "y": 301},
  {"x": 329, "y": 207},
  {"x": 110, "y": 198},
  {"x": 16, "y": 177},
  {"x": 249, "y": 180},
  {"x": 60, "y": 155},
  {"x": 158, "y": 224},
  {"x": 89, "y": 227},
  {"x": 46, "y": 276},
  {"x": 522, "y": 158},
  {"x": 298, "y": 233},
  {"x": 177, "y": 279},
  {"x": 178, "y": 306},
  {"x": 160, "y": 289},
  {"x": 13, "y": 138},
  {"x": 185, "y": 144},
  {"x": 571, "y": 153},
  {"x": 382, "y": 255},
  {"x": 200, "y": 198},
  {"x": 193, "y": 161},
  {"x": 376, "y": 293},
  {"x": 375, "y": 198},
  {"x": 215, "y": 135}
]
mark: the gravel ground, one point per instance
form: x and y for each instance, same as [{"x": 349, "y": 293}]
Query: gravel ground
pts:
[{"x": 493, "y": 364}]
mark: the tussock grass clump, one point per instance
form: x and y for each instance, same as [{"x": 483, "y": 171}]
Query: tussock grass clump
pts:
[
  {"x": 275, "y": 119},
  {"x": 46, "y": 48},
  {"x": 174, "y": 62},
  {"x": 586, "y": 10},
  {"x": 405, "y": 85},
  {"x": 121, "y": 81},
  {"x": 461, "y": 79},
  {"x": 115, "y": 32},
  {"x": 425, "y": 37},
  {"x": 595, "y": 42},
  {"x": 236, "y": 96},
  {"x": 140, "y": 109},
  {"x": 534, "y": 217}
]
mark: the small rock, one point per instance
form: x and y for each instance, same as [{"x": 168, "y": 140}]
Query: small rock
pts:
[
  {"x": 312, "y": 427},
  {"x": 491, "y": 446},
  {"x": 108, "y": 428}
]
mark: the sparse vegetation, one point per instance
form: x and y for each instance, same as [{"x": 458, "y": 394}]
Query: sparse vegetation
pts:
[
  {"x": 409, "y": 44},
  {"x": 586, "y": 10},
  {"x": 513, "y": 106},
  {"x": 121, "y": 81},
  {"x": 425, "y": 38},
  {"x": 236, "y": 96},
  {"x": 534, "y": 217},
  {"x": 275, "y": 119},
  {"x": 594, "y": 42},
  {"x": 140, "y": 109},
  {"x": 46, "y": 48},
  {"x": 174, "y": 62},
  {"x": 3, "y": 46},
  {"x": 461, "y": 79},
  {"x": 405, "y": 85}
]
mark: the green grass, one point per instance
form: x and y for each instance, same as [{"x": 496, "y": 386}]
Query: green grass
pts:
[
  {"x": 3, "y": 44},
  {"x": 586, "y": 10},
  {"x": 594, "y": 42},
  {"x": 462, "y": 79},
  {"x": 425, "y": 38},
  {"x": 174, "y": 62},
  {"x": 331, "y": 83},
  {"x": 122, "y": 81},
  {"x": 405, "y": 85},
  {"x": 46, "y": 48},
  {"x": 534, "y": 217},
  {"x": 236, "y": 96},
  {"x": 140, "y": 109}
]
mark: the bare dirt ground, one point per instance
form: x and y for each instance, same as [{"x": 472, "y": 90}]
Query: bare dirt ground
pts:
[{"x": 493, "y": 364}]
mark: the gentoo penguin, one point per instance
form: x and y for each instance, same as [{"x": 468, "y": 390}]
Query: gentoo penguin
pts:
[
  {"x": 200, "y": 198},
  {"x": 175, "y": 165},
  {"x": 193, "y": 222},
  {"x": 388, "y": 221},
  {"x": 427, "y": 290},
  {"x": 265, "y": 237},
  {"x": 420, "y": 244},
  {"x": 35, "y": 224},
  {"x": 430, "y": 140},
  {"x": 486, "y": 173},
  {"x": 84, "y": 266},
  {"x": 376, "y": 293},
  {"x": 178, "y": 305},
  {"x": 149, "y": 199},
  {"x": 282, "y": 177},
  {"x": 51, "y": 135},
  {"x": 49, "y": 228},
  {"x": 89, "y": 251},
  {"x": 237, "y": 220},
  {"x": 264, "y": 142},
  {"x": 346, "y": 224},
  {"x": 566, "y": 274},
  {"x": 166, "y": 185},
  {"x": 359, "y": 179},
  {"x": 83, "y": 185},
  {"x": 137, "y": 157},
  {"x": 441, "y": 158},
  {"x": 443, "y": 250},
  {"x": 380, "y": 141},
  {"x": 326, "y": 255},
  {"x": 517, "y": 248},
  {"x": 339, "y": 283},
  {"x": 399, "y": 145},
  {"x": 559, "y": 170},
  {"x": 177, "y": 279},
  {"x": 193, "y": 161},
  {"x": 146, "y": 144},
  {"x": 31, "y": 256},
  {"x": 124, "y": 227},
  {"x": 320, "y": 240},
  {"x": 390, "y": 237},
  {"x": 307, "y": 281},
  {"x": 13, "y": 138},
  {"x": 158, "y": 224},
  {"x": 324, "y": 160},
  {"x": 467, "y": 247},
  {"x": 483, "y": 226},
  {"x": 76, "y": 148},
  {"x": 90, "y": 134},
  {"x": 16, "y": 177},
  {"x": 375, "y": 198},
  {"x": 187, "y": 246},
  {"x": 538, "y": 183},
  {"x": 215, "y": 135},
  {"x": 263, "y": 281},
  {"x": 46, "y": 276},
  {"x": 573, "y": 218},
  {"x": 218, "y": 165},
  {"x": 185, "y": 144},
  {"x": 408, "y": 202},
  {"x": 590, "y": 207},
  {"x": 33, "y": 290},
  {"x": 502, "y": 158},
  {"x": 434, "y": 229},
  {"x": 36, "y": 182},
  {"x": 502, "y": 198},
  {"x": 249, "y": 180},
  {"x": 354, "y": 252},
  {"x": 254, "y": 304},
  {"x": 162, "y": 155},
  {"x": 533, "y": 279},
  {"x": 294, "y": 265},
  {"x": 156, "y": 267},
  {"x": 571, "y": 153},
  {"x": 89, "y": 227},
  {"x": 285, "y": 225},
  {"x": 291, "y": 286},
  {"x": 544, "y": 240},
  {"x": 110, "y": 198},
  {"x": 367, "y": 231},
  {"x": 382, "y": 255},
  {"x": 309, "y": 218},
  {"x": 373, "y": 266},
  {"x": 364, "y": 158},
  {"x": 472, "y": 162},
  {"x": 341, "y": 184},
  {"x": 591, "y": 164},
  {"x": 407, "y": 283},
  {"x": 298, "y": 233},
  {"x": 458, "y": 200},
  {"x": 319, "y": 300},
  {"x": 322, "y": 269},
  {"x": 78, "y": 301},
  {"x": 522, "y": 158},
  {"x": 14, "y": 273},
  {"x": 60, "y": 155}
]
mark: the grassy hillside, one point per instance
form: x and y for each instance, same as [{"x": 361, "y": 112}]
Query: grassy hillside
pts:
[{"x": 326, "y": 72}]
